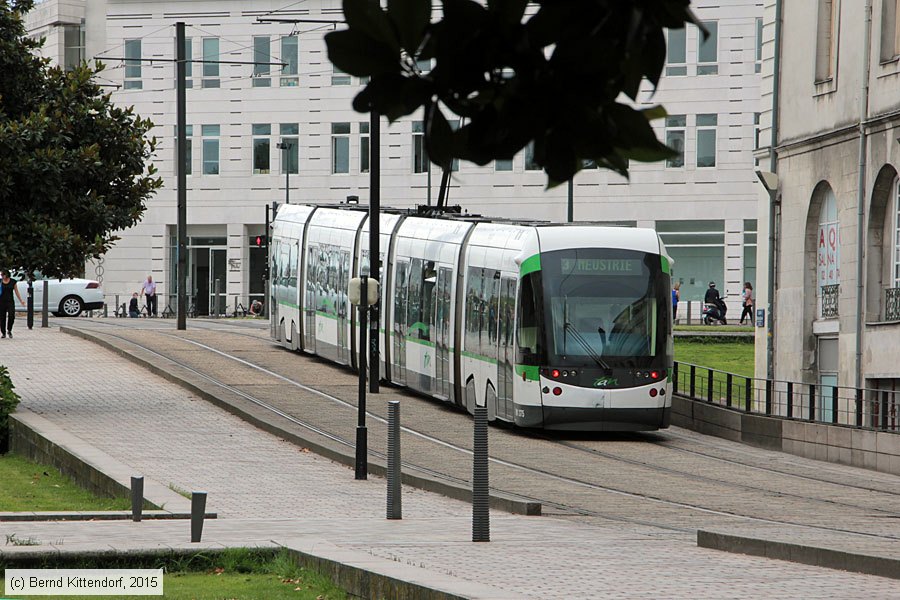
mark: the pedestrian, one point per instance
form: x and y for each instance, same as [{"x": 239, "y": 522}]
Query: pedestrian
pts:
[
  {"x": 7, "y": 304},
  {"x": 747, "y": 301},
  {"x": 133, "y": 310},
  {"x": 149, "y": 290},
  {"x": 676, "y": 296},
  {"x": 256, "y": 308}
]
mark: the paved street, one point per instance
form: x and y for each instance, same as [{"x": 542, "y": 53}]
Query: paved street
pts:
[{"x": 267, "y": 490}]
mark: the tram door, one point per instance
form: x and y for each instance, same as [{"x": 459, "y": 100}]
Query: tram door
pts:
[
  {"x": 399, "y": 369},
  {"x": 343, "y": 351},
  {"x": 441, "y": 331},
  {"x": 310, "y": 299},
  {"x": 506, "y": 349}
]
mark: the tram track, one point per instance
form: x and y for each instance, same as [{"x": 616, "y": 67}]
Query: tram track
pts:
[{"x": 518, "y": 466}]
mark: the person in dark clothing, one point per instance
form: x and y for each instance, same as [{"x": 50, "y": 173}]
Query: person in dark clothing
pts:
[
  {"x": 133, "y": 310},
  {"x": 7, "y": 305},
  {"x": 712, "y": 294}
]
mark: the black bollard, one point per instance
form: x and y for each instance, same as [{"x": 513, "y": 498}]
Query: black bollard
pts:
[
  {"x": 394, "y": 491},
  {"x": 44, "y": 301},
  {"x": 137, "y": 498},
  {"x": 481, "y": 517},
  {"x": 198, "y": 513}
]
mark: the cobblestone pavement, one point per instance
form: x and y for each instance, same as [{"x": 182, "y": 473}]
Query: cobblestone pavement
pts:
[{"x": 265, "y": 489}]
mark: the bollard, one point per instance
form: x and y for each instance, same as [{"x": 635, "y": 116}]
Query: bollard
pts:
[
  {"x": 198, "y": 513},
  {"x": 394, "y": 491},
  {"x": 137, "y": 498},
  {"x": 117, "y": 306},
  {"x": 105, "y": 311},
  {"x": 235, "y": 306},
  {"x": 689, "y": 313},
  {"x": 45, "y": 301},
  {"x": 218, "y": 290},
  {"x": 29, "y": 303},
  {"x": 481, "y": 516}
]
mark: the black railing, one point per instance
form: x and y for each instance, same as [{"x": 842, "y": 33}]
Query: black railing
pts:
[
  {"x": 855, "y": 407},
  {"x": 892, "y": 304},
  {"x": 830, "y": 294}
]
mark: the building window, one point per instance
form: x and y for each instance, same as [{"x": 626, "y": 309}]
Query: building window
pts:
[
  {"x": 133, "y": 65},
  {"x": 706, "y": 140},
  {"x": 698, "y": 248},
  {"x": 759, "y": 42},
  {"x": 188, "y": 154},
  {"x": 895, "y": 241},
  {"x": 289, "y": 57},
  {"x": 340, "y": 147},
  {"x": 210, "y": 135},
  {"x": 424, "y": 65},
  {"x": 750, "y": 251},
  {"x": 675, "y": 139},
  {"x": 262, "y": 144},
  {"x": 290, "y": 144},
  {"x": 503, "y": 164},
  {"x": 262, "y": 55},
  {"x": 210, "y": 69},
  {"x": 338, "y": 77},
  {"x": 828, "y": 254},
  {"x": 676, "y": 53},
  {"x": 420, "y": 157},
  {"x": 73, "y": 37},
  {"x": 826, "y": 39},
  {"x": 364, "y": 150},
  {"x": 890, "y": 31},
  {"x": 708, "y": 50},
  {"x": 530, "y": 163}
]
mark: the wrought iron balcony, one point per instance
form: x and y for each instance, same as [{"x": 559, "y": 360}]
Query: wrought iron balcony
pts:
[
  {"x": 892, "y": 304},
  {"x": 830, "y": 295}
]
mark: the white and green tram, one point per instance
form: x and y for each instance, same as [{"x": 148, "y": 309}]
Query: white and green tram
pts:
[{"x": 549, "y": 326}]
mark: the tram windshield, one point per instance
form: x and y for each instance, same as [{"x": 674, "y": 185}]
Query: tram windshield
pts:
[{"x": 604, "y": 307}]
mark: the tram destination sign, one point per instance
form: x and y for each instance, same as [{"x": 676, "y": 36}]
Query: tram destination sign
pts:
[{"x": 602, "y": 266}]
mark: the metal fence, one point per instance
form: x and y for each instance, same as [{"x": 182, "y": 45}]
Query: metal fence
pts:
[{"x": 866, "y": 408}]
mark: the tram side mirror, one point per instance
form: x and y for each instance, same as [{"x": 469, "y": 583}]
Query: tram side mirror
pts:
[{"x": 354, "y": 291}]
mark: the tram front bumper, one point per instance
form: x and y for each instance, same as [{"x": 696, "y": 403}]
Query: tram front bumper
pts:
[{"x": 593, "y": 419}]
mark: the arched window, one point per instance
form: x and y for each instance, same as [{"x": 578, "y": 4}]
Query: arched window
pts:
[
  {"x": 828, "y": 257},
  {"x": 895, "y": 235}
]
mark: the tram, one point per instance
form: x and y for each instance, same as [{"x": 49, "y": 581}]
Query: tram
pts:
[{"x": 565, "y": 327}]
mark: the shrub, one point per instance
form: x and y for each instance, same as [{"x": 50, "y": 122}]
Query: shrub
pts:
[{"x": 8, "y": 402}]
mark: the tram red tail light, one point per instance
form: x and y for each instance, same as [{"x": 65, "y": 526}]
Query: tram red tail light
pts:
[
  {"x": 654, "y": 374},
  {"x": 653, "y": 392},
  {"x": 557, "y": 391},
  {"x": 554, "y": 373}
]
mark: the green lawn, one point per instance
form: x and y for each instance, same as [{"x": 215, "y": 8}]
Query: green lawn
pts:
[
  {"x": 716, "y": 328},
  {"x": 26, "y": 486},
  {"x": 236, "y": 574},
  {"x": 731, "y": 357}
]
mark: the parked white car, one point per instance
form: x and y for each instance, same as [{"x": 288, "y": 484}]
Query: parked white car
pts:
[{"x": 65, "y": 298}]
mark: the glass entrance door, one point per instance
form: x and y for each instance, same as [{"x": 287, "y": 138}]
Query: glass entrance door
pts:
[{"x": 205, "y": 265}]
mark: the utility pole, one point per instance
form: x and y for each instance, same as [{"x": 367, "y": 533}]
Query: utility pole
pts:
[
  {"x": 374, "y": 244},
  {"x": 181, "y": 104},
  {"x": 285, "y": 146}
]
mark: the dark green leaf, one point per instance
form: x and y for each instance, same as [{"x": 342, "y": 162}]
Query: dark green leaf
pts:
[
  {"x": 367, "y": 17},
  {"x": 438, "y": 137},
  {"x": 410, "y": 18}
]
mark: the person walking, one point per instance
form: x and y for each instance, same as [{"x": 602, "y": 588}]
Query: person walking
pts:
[
  {"x": 149, "y": 290},
  {"x": 676, "y": 296},
  {"x": 747, "y": 301},
  {"x": 7, "y": 305}
]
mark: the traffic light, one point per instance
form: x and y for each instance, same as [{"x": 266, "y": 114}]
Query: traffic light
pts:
[{"x": 258, "y": 241}]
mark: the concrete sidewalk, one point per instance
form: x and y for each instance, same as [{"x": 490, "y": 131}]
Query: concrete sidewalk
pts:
[{"x": 267, "y": 491}]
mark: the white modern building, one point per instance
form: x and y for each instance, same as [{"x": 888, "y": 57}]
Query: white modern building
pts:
[
  {"x": 254, "y": 129},
  {"x": 836, "y": 92}
]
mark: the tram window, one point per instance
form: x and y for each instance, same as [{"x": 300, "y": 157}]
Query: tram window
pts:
[
  {"x": 293, "y": 260},
  {"x": 429, "y": 278},
  {"x": 492, "y": 298},
  {"x": 474, "y": 309},
  {"x": 414, "y": 311},
  {"x": 528, "y": 338}
]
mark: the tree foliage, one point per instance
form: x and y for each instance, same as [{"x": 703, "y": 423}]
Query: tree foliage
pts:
[
  {"x": 73, "y": 166},
  {"x": 555, "y": 77}
]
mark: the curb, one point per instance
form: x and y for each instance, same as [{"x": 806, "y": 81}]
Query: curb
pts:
[
  {"x": 265, "y": 421},
  {"x": 808, "y": 555}
]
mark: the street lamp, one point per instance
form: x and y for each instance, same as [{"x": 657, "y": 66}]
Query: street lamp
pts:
[{"x": 286, "y": 145}]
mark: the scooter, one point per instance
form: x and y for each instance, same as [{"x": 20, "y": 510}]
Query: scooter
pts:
[{"x": 713, "y": 313}]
